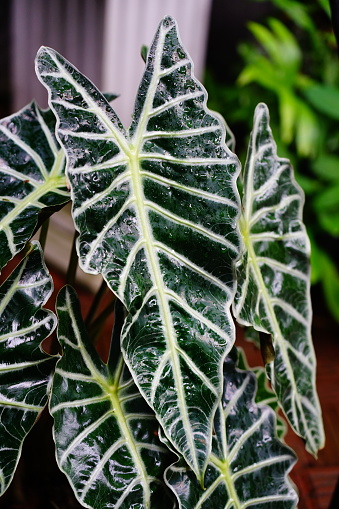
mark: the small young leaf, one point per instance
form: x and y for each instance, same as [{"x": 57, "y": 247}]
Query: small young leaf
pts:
[
  {"x": 109, "y": 96},
  {"x": 273, "y": 292},
  {"x": 25, "y": 369},
  {"x": 32, "y": 176},
  {"x": 248, "y": 465},
  {"x": 143, "y": 52},
  {"x": 157, "y": 211},
  {"x": 106, "y": 435}
]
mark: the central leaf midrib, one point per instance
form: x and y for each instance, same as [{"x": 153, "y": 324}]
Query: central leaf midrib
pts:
[
  {"x": 245, "y": 223},
  {"x": 14, "y": 288},
  {"x": 224, "y": 464},
  {"x": 224, "y": 468},
  {"x": 277, "y": 334},
  {"x": 164, "y": 309},
  {"x": 126, "y": 432},
  {"x": 269, "y": 308},
  {"x": 110, "y": 389},
  {"x": 136, "y": 145},
  {"x": 32, "y": 199}
]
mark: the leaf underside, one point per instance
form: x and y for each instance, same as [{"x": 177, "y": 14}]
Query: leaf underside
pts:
[
  {"x": 273, "y": 293},
  {"x": 32, "y": 176},
  {"x": 25, "y": 370},
  {"x": 106, "y": 435},
  {"x": 248, "y": 466},
  {"x": 157, "y": 210}
]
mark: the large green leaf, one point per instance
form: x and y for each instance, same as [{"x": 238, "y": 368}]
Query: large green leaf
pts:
[
  {"x": 106, "y": 435},
  {"x": 25, "y": 369},
  {"x": 273, "y": 279},
  {"x": 32, "y": 175},
  {"x": 248, "y": 465},
  {"x": 157, "y": 210}
]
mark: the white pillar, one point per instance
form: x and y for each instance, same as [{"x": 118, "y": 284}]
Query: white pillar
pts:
[{"x": 129, "y": 24}]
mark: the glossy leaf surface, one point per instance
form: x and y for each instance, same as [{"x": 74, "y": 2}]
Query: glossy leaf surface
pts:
[
  {"x": 248, "y": 466},
  {"x": 25, "y": 370},
  {"x": 32, "y": 175},
  {"x": 157, "y": 209},
  {"x": 273, "y": 292},
  {"x": 106, "y": 435},
  {"x": 264, "y": 394}
]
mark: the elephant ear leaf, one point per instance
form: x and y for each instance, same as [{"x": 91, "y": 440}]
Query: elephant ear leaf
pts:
[
  {"x": 105, "y": 433},
  {"x": 25, "y": 369},
  {"x": 273, "y": 294},
  {"x": 32, "y": 176},
  {"x": 248, "y": 465},
  {"x": 157, "y": 210}
]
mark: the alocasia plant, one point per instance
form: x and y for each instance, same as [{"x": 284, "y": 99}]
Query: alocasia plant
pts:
[{"x": 168, "y": 420}]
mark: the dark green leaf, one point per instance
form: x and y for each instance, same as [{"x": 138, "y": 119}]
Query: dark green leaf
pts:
[
  {"x": 248, "y": 465},
  {"x": 273, "y": 293},
  {"x": 32, "y": 176},
  {"x": 157, "y": 211},
  {"x": 144, "y": 51},
  {"x": 324, "y": 270},
  {"x": 25, "y": 369},
  {"x": 106, "y": 435},
  {"x": 109, "y": 96},
  {"x": 264, "y": 394},
  {"x": 326, "y": 205}
]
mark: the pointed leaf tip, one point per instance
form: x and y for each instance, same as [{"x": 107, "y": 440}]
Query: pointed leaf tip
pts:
[{"x": 142, "y": 201}]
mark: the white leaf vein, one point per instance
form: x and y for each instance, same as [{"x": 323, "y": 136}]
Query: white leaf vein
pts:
[
  {"x": 177, "y": 65},
  {"x": 84, "y": 433},
  {"x": 190, "y": 190},
  {"x": 173, "y": 102},
  {"x": 194, "y": 226}
]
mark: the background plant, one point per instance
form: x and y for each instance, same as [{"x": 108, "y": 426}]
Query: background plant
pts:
[{"x": 291, "y": 63}]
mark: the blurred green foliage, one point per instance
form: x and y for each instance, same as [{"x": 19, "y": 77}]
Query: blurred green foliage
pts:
[{"x": 290, "y": 62}]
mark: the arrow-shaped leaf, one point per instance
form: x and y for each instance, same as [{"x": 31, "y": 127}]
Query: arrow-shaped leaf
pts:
[
  {"x": 248, "y": 465},
  {"x": 273, "y": 292},
  {"x": 32, "y": 175},
  {"x": 106, "y": 435},
  {"x": 25, "y": 370},
  {"x": 156, "y": 210}
]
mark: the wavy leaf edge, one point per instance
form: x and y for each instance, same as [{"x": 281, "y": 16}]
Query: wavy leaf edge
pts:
[{"x": 262, "y": 314}]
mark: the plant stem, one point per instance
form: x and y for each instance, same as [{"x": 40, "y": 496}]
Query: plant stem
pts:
[
  {"x": 43, "y": 234},
  {"x": 73, "y": 263},
  {"x": 95, "y": 303},
  {"x": 115, "y": 348},
  {"x": 98, "y": 323}
]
